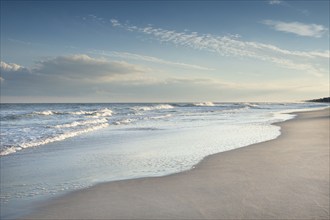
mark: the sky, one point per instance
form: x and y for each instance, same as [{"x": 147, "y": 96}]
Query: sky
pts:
[{"x": 164, "y": 51}]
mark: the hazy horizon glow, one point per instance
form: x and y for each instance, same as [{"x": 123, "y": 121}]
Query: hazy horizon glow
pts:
[{"x": 166, "y": 51}]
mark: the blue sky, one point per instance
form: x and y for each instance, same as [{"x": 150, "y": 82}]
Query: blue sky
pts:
[{"x": 164, "y": 51}]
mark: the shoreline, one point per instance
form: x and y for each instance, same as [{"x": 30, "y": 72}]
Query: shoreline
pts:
[{"x": 159, "y": 190}]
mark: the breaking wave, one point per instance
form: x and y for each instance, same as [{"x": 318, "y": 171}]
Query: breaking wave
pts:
[
  {"x": 204, "y": 104},
  {"x": 36, "y": 125},
  {"x": 60, "y": 137},
  {"x": 153, "y": 107},
  {"x": 57, "y": 126},
  {"x": 251, "y": 105},
  {"x": 81, "y": 123},
  {"x": 48, "y": 112},
  {"x": 102, "y": 112}
]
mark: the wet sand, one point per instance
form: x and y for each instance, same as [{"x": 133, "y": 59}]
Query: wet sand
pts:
[{"x": 285, "y": 178}]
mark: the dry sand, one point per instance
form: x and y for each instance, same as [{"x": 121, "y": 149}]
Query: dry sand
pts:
[{"x": 286, "y": 178}]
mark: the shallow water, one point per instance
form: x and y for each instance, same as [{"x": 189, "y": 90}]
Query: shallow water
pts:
[{"x": 51, "y": 149}]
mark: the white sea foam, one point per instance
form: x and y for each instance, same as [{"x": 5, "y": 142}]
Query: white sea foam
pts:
[
  {"x": 81, "y": 123},
  {"x": 9, "y": 150},
  {"x": 101, "y": 112},
  {"x": 60, "y": 137},
  {"x": 204, "y": 104},
  {"x": 124, "y": 121},
  {"x": 34, "y": 131},
  {"x": 154, "y": 107},
  {"x": 82, "y": 112},
  {"x": 98, "y": 113},
  {"x": 252, "y": 105},
  {"x": 48, "y": 112},
  {"x": 104, "y": 112}
]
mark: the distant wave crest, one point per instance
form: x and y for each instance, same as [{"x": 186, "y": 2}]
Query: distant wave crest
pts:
[
  {"x": 97, "y": 113},
  {"x": 48, "y": 112},
  {"x": 101, "y": 112},
  {"x": 153, "y": 107},
  {"x": 251, "y": 105},
  {"x": 204, "y": 104}
]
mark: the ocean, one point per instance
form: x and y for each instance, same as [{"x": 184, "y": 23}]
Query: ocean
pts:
[{"x": 47, "y": 150}]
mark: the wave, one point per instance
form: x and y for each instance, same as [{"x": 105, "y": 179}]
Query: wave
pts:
[
  {"x": 31, "y": 114},
  {"x": 124, "y": 121},
  {"x": 81, "y": 123},
  {"x": 204, "y": 104},
  {"x": 130, "y": 120},
  {"x": 28, "y": 115},
  {"x": 102, "y": 112},
  {"x": 60, "y": 137},
  {"x": 252, "y": 105},
  {"x": 48, "y": 112},
  {"x": 97, "y": 113},
  {"x": 195, "y": 104},
  {"x": 154, "y": 107},
  {"x": 9, "y": 150}
]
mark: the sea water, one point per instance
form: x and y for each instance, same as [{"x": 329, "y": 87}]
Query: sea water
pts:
[{"x": 50, "y": 149}]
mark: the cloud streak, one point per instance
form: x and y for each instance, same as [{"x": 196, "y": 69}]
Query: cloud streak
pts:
[
  {"x": 286, "y": 4},
  {"x": 64, "y": 76},
  {"x": 234, "y": 46},
  {"x": 84, "y": 67},
  {"x": 275, "y": 2},
  {"x": 133, "y": 56},
  {"x": 301, "y": 29}
]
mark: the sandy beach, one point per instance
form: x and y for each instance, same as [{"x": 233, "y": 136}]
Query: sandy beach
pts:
[{"x": 285, "y": 178}]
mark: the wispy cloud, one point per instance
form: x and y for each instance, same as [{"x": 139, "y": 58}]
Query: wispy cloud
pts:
[
  {"x": 231, "y": 45},
  {"x": 133, "y": 56},
  {"x": 19, "y": 41},
  {"x": 94, "y": 18},
  {"x": 301, "y": 29},
  {"x": 287, "y": 5},
  {"x": 275, "y": 2},
  {"x": 115, "y": 22}
]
